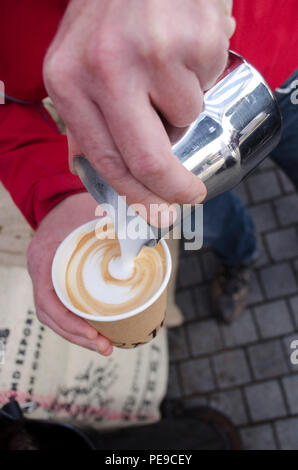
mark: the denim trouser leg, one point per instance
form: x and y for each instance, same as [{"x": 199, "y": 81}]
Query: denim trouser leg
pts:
[
  {"x": 286, "y": 153},
  {"x": 228, "y": 227}
]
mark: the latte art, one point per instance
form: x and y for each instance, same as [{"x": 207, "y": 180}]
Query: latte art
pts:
[{"x": 91, "y": 285}]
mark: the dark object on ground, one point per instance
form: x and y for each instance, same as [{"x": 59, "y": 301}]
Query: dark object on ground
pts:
[
  {"x": 201, "y": 428},
  {"x": 229, "y": 290},
  {"x": 179, "y": 429},
  {"x": 20, "y": 433}
]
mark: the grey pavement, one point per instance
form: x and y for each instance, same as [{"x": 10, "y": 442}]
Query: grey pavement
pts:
[{"x": 246, "y": 370}]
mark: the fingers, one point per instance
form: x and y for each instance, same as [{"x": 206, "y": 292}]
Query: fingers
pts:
[
  {"x": 145, "y": 147},
  {"x": 231, "y": 26},
  {"x": 52, "y": 313},
  {"x": 111, "y": 72},
  {"x": 73, "y": 328},
  {"x": 230, "y": 22},
  {"x": 207, "y": 51},
  {"x": 47, "y": 301},
  {"x": 176, "y": 92},
  {"x": 227, "y": 6},
  {"x": 97, "y": 143},
  {"x": 99, "y": 344}
]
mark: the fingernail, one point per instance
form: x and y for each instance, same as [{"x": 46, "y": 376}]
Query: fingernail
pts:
[
  {"x": 91, "y": 334},
  {"x": 108, "y": 351},
  {"x": 104, "y": 347},
  {"x": 202, "y": 196}
]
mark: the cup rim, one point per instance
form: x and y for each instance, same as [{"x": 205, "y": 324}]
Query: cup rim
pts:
[{"x": 107, "y": 318}]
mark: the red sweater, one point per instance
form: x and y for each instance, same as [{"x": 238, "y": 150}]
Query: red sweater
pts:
[{"x": 33, "y": 154}]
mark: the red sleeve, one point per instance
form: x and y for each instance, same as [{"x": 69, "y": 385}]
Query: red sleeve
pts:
[
  {"x": 266, "y": 35},
  {"x": 33, "y": 154},
  {"x": 27, "y": 28},
  {"x": 34, "y": 160}
]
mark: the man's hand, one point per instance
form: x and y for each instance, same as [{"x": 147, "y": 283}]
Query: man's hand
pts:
[
  {"x": 65, "y": 217},
  {"x": 115, "y": 66}
]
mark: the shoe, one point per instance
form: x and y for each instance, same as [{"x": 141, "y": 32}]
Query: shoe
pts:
[{"x": 229, "y": 290}]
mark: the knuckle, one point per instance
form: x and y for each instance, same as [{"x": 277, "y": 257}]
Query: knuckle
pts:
[
  {"x": 212, "y": 59},
  {"x": 48, "y": 68},
  {"x": 157, "y": 56},
  {"x": 183, "y": 120},
  {"x": 209, "y": 50},
  {"x": 111, "y": 167},
  {"x": 220, "y": 55},
  {"x": 102, "y": 56},
  {"x": 147, "y": 165},
  {"x": 187, "y": 113},
  {"x": 58, "y": 72},
  {"x": 211, "y": 40},
  {"x": 228, "y": 4},
  {"x": 157, "y": 49}
]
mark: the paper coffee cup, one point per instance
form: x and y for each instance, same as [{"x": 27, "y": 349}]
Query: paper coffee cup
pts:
[{"x": 126, "y": 330}]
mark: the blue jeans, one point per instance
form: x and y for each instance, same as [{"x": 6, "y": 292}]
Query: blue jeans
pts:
[{"x": 228, "y": 227}]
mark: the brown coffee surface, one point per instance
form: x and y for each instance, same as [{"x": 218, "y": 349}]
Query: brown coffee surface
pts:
[{"x": 96, "y": 249}]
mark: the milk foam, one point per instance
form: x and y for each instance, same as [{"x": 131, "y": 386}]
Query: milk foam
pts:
[
  {"x": 100, "y": 281},
  {"x": 122, "y": 268},
  {"x": 98, "y": 287}
]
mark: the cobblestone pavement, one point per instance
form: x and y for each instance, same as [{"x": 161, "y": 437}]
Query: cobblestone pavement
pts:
[{"x": 244, "y": 369}]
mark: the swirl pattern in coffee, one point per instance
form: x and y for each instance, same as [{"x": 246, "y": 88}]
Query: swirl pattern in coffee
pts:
[{"x": 91, "y": 286}]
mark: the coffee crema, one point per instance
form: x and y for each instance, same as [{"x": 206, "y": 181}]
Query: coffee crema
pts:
[{"x": 90, "y": 285}]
